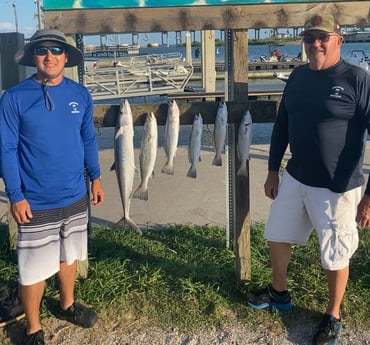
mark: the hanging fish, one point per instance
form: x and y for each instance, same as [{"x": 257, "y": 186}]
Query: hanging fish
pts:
[
  {"x": 124, "y": 163},
  {"x": 171, "y": 136},
  {"x": 220, "y": 132},
  {"x": 244, "y": 142},
  {"x": 147, "y": 156},
  {"x": 195, "y": 145}
]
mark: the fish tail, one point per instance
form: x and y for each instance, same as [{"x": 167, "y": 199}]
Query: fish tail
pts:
[
  {"x": 168, "y": 169},
  {"x": 242, "y": 171},
  {"x": 119, "y": 225},
  {"x": 217, "y": 160},
  {"x": 140, "y": 193},
  {"x": 133, "y": 226},
  {"x": 192, "y": 172},
  {"x": 126, "y": 221}
]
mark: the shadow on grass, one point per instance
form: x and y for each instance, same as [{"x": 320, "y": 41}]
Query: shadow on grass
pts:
[{"x": 178, "y": 252}]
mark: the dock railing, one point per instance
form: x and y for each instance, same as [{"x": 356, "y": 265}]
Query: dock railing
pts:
[{"x": 137, "y": 76}]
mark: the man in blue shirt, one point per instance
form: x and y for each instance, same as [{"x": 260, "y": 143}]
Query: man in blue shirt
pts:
[{"x": 47, "y": 138}]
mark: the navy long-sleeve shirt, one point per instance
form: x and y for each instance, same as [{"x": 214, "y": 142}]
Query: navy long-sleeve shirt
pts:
[{"x": 323, "y": 117}]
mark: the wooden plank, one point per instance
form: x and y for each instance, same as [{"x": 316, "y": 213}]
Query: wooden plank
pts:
[
  {"x": 240, "y": 65},
  {"x": 121, "y": 20},
  {"x": 243, "y": 259},
  {"x": 262, "y": 112}
]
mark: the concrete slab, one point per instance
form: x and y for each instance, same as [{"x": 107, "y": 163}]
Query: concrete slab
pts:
[{"x": 179, "y": 199}]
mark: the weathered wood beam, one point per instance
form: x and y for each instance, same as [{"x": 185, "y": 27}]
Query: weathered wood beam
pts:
[
  {"x": 262, "y": 112},
  {"x": 240, "y": 191},
  {"x": 121, "y": 20}
]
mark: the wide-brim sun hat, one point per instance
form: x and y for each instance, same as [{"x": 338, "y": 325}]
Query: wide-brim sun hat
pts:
[
  {"x": 24, "y": 56},
  {"x": 322, "y": 22}
]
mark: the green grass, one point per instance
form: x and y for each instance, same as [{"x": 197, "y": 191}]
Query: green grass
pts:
[{"x": 184, "y": 277}]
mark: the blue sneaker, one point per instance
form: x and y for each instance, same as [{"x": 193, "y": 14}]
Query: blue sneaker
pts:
[
  {"x": 266, "y": 298},
  {"x": 329, "y": 329}
]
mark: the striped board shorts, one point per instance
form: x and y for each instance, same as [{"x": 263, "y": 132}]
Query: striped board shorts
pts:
[{"x": 52, "y": 236}]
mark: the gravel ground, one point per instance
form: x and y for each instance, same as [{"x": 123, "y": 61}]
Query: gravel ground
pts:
[
  {"x": 232, "y": 336},
  {"x": 61, "y": 333}
]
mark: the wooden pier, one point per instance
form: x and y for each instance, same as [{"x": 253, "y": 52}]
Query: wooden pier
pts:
[
  {"x": 111, "y": 50},
  {"x": 254, "y": 66}
]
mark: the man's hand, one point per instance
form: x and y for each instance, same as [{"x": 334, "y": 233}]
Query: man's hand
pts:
[
  {"x": 21, "y": 211},
  {"x": 272, "y": 184},
  {"x": 363, "y": 212},
  {"x": 97, "y": 192}
]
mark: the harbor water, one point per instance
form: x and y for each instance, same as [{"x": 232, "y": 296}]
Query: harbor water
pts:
[{"x": 254, "y": 51}]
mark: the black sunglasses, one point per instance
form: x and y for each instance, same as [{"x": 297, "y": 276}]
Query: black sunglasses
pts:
[
  {"x": 323, "y": 37},
  {"x": 55, "y": 50}
]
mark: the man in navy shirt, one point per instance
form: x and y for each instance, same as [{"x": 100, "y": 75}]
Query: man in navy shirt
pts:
[{"x": 323, "y": 117}]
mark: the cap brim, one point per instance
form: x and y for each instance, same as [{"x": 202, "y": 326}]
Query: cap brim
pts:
[{"x": 314, "y": 28}]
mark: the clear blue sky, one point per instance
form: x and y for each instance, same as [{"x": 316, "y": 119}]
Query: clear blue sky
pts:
[{"x": 25, "y": 13}]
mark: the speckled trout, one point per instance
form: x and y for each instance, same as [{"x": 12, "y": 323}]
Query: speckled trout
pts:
[
  {"x": 244, "y": 142},
  {"x": 220, "y": 132},
  {"x": 195, "y": 145},
  {"x": 171, "y": 136},
  {"x": 147, "y": 156},
  {"x": 124, "y": 163}
]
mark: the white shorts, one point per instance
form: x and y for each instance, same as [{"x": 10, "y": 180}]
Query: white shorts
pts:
[
  {"x": 298, "y": 209},
  {"x": 53, "y": 236}
]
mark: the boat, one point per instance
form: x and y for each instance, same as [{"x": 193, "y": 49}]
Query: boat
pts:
[
  {"x": 275, "y": 54},
  {"x": 356, "y": 36},
  {"x": 358, "y": 57},
  {"x": 281, "y": 76},
  {"x": 153, "y": 45},
  {"x": 139, "y": 75}
]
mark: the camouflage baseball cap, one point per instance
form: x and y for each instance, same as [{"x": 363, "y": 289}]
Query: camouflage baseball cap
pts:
[{"x": 322, "y": 22}]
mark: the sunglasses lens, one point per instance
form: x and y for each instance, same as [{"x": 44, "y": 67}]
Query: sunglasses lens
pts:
[
  {"x": 40, "y": 50},
  {"x": 311, "y": 38},
  {"x": 56, "y": 50},
  {"x": 324, "y": 37},
  {"x": 308, "y": 39}
]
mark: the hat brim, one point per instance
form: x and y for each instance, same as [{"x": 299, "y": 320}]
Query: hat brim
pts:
[
  {"x": 314, "y": 28},
  {"x": 24, "y": 56}
]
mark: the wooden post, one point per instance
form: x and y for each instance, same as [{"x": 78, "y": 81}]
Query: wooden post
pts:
[
  {"x": 238, "y": 74},
  {"x": 208, "y": 60}
]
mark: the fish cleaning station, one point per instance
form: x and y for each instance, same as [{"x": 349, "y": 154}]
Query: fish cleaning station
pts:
[{"x": 235, "y": 17}]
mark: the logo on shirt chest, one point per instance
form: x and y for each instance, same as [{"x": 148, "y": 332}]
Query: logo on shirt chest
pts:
[
  {"x": 74, "y": 107},
  {"x": 336, "y": 91}
]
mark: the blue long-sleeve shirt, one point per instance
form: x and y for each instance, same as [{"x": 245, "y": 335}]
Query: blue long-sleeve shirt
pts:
[
  {"x": 44, "y": 153},
  {"x": 323, "y": 116}
]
